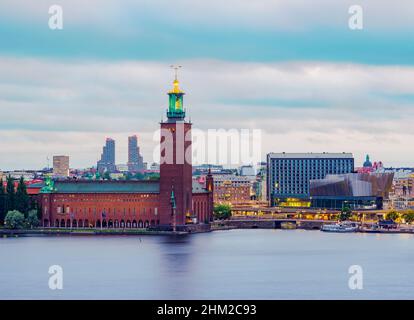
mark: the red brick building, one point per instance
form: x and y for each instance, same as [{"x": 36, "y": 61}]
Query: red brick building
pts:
[{"x": 175, "y": 201}]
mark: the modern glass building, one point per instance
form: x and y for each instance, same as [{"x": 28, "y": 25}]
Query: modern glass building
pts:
[{"x": 289, "y": 174}]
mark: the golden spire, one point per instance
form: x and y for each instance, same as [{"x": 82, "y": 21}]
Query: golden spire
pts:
[{"x": 176, "y": 84}]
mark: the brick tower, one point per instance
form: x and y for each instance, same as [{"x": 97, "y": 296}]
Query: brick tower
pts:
[{"x": 175, "y": 162}]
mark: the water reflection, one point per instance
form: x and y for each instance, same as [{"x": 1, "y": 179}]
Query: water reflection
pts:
[
  {"x": 236, "y": 264},
  {"x": 177, "y": 264}
]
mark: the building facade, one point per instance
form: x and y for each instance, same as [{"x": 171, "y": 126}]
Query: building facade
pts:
[
  {"x": 107, "y": 162},
  {"x": 135, "y": 160},
  {"x": 61, "y": 166},
  {"x": 232, "y": 189},
  {"x": 247, "y": 171},
  {"x": 353, "y": 190},
  {"x": 172, "y": 202},
  {"x": 402, "y": 192},
  {"x": 289, "y": 174}
]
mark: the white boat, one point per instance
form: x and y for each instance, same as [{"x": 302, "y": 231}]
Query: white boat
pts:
[{"x": 340, "y": 227}]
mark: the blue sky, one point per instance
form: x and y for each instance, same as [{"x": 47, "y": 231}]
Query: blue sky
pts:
[{"x": 290, "y": 68}]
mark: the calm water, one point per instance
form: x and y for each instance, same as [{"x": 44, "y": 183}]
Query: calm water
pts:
[{"x": 235, "y": 264}]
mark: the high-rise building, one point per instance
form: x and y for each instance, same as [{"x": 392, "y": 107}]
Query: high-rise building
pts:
[
  {"x": 288, "y": 174},
  {"x": 135, "y": 160},
  {"x": 61, "y": 166},
  {"x": 107, "y": 162}
]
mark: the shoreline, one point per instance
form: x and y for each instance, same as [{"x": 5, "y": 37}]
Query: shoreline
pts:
[
  {"x": 142, "y": 232},
  {"x": 87, "y": 232}
]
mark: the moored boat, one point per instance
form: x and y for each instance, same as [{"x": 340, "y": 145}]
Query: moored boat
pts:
[
  {"x": 340, "y": 227},
  {"x": 288, "y": 225}
]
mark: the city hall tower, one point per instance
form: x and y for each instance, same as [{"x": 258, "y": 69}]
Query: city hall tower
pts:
[{"x": 175, "y": 162}]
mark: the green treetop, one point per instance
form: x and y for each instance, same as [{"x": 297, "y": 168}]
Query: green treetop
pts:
[{"x": 22, "y": 199}]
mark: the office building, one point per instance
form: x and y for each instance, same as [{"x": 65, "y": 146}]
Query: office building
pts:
[
  {"x": 107, "y": 162},
  {"x": 135, "y": 160},
  {"x": 289, "y": 174}
]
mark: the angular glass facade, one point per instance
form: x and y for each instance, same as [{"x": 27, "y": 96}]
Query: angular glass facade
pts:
[{"x": 355, "y": 190}]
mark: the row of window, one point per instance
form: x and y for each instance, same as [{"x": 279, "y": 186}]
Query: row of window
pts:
[
  {"x": 312, "y": 161},
  {"x": 63, "y": 199},
  {"x": 198, "y": 206},
  {"x": 73, "y": 223},
  {"x": 67, "y": 209}
]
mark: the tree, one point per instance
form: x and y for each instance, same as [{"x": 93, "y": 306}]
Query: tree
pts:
[
  {"x": 32, "y": 220},
  {"x": 392, "y": 215},
  {"x": 10, "y": 198},
  {"x": 346, "y": 213},
  {"x": 107, "y": 175},
  {"x": 22, "y": 199},
  {"x": 152, "y": 176},
  {"x": 139, "y": 176},
  {"x": 222, "y": 211},
  {"x": 128, "y": 176},
  {"x": 14, "y": 220},
  {"x": 409, "y": 216}
]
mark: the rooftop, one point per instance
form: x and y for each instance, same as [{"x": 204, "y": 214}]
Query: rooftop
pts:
[
  {"x": 198, "y": 187},
  {"x": 115, "y": 186},
  {"x": 106, "y": 186},
  {"x": 311, "y": 155}
]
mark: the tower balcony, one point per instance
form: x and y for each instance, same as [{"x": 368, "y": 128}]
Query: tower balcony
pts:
[{"x": 176, "y": 114}]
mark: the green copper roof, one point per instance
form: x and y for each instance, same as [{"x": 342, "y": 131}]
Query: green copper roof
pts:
[
  {"x": 48, "y": 186},
  {"x": 106, "y": 187}
]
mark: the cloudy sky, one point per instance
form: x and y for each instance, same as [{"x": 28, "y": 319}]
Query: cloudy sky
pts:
[{"x": 292, "y": 68}]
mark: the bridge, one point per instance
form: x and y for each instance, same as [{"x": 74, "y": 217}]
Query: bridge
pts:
[{"x": 252, "y": 223}]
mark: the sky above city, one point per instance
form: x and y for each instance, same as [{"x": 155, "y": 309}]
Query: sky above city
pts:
[{"x": 291, "y": 68}]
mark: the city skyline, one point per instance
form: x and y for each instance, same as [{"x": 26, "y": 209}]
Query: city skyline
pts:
[
  {"x": 206, "y": 159},
  {"x": 63, "y": 91}
]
